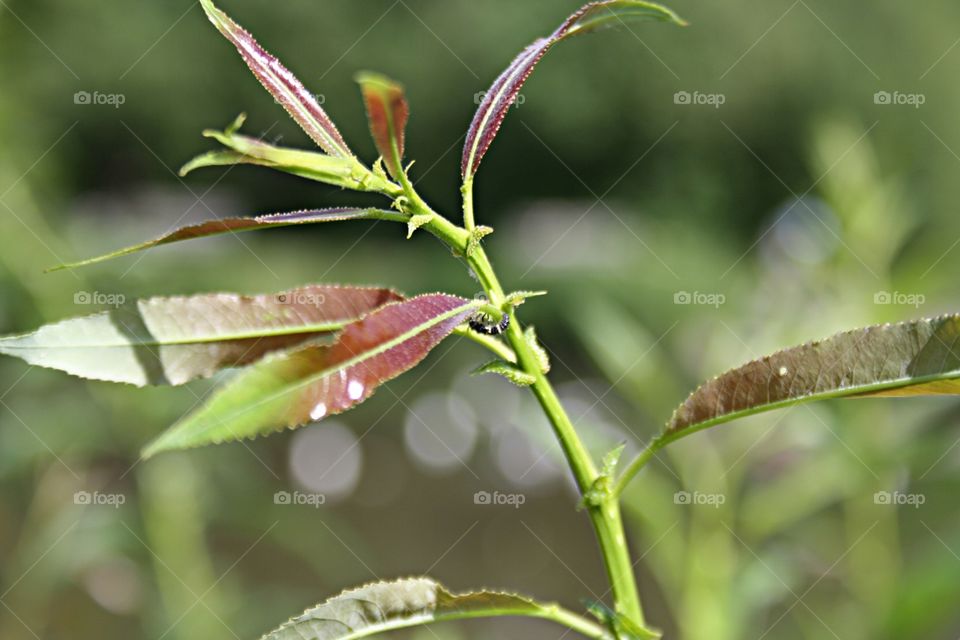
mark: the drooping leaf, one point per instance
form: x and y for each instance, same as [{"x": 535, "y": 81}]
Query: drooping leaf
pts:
[
  {"x": 175, "y": 340},
  {"x": 505, "y": 89},
  {"x": 508, "y": 370},
  {"x": 387, "y": 111},
  {"x": 237, "y": 225},
  {"x": 281, "y": 83},
  {"x": 386, "y": 606},
  {"x": 346, "y": 173},
  {"x": 291, "y": 389},
  {"x": 912, "y": 358}
]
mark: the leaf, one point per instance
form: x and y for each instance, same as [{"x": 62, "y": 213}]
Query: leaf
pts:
[
  {"x": 907, "y": 359},
  {"x": 543, "y": 358},
  {"x": 386, "y": 606},
  {"x": 291, "y": 389},
  {"x": 237, "y": 225},
  {"x": 387, "y": 111},
  {"x": 175, "y": 340},
  {"x": 281, "y": 84},
  {"x": 505, "y": 89},
  {"x": 346, "y": 173},
  {"x": 511, "y": 372}
]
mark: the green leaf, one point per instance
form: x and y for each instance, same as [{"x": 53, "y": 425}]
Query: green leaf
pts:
[
  {"x": 504, "y": 91},
  {"x": 237, "y": 225},
  {"x": 907, "y": 359},
  {"x": 281, "y": 83},
  {"x": 290, "y": 389},
  {"x": 386, "y": 606},
  {"x": 344, "y": 172},
  {"x": 388, "y": 112},
  {"x": 511, "y": 372},
  {"x": 517, "y": 298},
  {"x": 543, "y": 358},
  {"x": 175, "y": 340},
  {"x": 417, "y": 221}
]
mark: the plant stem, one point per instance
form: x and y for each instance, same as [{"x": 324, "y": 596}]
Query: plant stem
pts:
[
  {"x": 605, "y": 516},
  {"x": 634, "y": 467},
  {"x": 604, "y": 513}
]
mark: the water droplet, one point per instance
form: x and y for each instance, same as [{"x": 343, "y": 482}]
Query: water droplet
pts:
[
  {"x": 783, "y": 371},
  {"x": 355, "y": 390},
  {"x": 318, "y": 411}
]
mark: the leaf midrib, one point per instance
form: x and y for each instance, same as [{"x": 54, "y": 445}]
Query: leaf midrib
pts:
[{"x": 311, "y": 379}]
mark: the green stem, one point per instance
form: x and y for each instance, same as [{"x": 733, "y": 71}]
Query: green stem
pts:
[
  {"x": 467, "y": 191},
  {"x": 604, "y": 512},
  {"x": 605, "y": 516},
  {"x": 638, "y": 463}
]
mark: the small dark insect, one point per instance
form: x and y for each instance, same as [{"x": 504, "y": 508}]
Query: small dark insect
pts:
[{"x": 483, "y": 323}]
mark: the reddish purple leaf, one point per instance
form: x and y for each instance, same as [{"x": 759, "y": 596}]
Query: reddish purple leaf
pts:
[
  {"x": 281, "y": 83},
  {"x": 237, "y": 225},
  {"x": 175, "y": 340},
  {"x": 504, "y": 91},
  {"x": 291, "y": 389},
  {"x": 387, "y": 111}
]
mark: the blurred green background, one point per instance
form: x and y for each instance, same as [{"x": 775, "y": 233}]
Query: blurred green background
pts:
[{"x": 802, "y": 205}]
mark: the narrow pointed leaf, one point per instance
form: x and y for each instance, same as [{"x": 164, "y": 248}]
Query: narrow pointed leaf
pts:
[
  {"x": 346, "y": 173},
  {"x": 386, "y": 606},
  {"x": 281, "y": 83},
  {"x": 387, "y": 111},
  {"x": 291, "y": 389},
  {"x": 174, "y": 340},
  {"x": 503, "y": 93},
  {"x": 912, "y": 358},
  {"x": 237, "y": 225}
]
